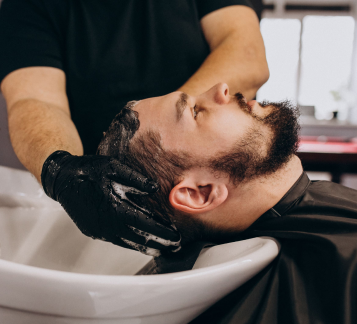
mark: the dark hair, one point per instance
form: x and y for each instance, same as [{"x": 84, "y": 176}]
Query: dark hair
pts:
[
  {"x": 146, "y": 155},
  {"x": 252, "y": 156}
]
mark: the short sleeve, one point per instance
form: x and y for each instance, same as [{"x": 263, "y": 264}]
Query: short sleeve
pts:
[
  {"x": 204, "y": 7},
  {"x": 28, "y": 36}
]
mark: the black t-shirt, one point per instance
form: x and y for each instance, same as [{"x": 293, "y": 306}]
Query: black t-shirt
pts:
[
  {"x": 112, "y": 51},
  {"x": 314, "y": 278}
]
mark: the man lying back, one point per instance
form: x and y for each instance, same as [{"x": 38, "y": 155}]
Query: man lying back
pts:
[
  {"x": 221, "y": 162},
  {"x": 227, "y": 170}
]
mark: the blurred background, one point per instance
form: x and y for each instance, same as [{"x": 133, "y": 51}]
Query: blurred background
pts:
[{"x": 311, "y": 49}]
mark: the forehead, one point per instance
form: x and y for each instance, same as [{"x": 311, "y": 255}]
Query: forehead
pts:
[
  {"x": 152, "y": 111},
  {"x": 159, "y": 114},
  {"x": 216, "y": 131}
]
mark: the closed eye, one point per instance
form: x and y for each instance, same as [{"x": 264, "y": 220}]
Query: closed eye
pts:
[{"x": 195, "y": 112}]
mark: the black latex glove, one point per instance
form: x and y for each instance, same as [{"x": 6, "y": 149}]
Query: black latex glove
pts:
[
  {"x": 183, "y": 260},
  {"x": 92, "y": 189}
]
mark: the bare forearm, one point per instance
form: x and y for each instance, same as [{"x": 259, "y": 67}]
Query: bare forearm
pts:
[
  {"x": 244, "y": 69},
  {"x": 37, "y": 129},
  {"x": 237, "y": 53}
]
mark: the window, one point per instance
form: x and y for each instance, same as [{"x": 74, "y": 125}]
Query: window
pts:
[
  {"x": 309, "y": 51},
  {"x": 282, "y": 44}
]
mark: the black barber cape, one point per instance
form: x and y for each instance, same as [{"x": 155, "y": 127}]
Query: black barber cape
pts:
[
  {"x": 112, "y": 51},
  {"x": 314, "y": 278}
]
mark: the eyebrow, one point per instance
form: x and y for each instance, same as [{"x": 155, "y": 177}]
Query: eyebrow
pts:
[{"x": 181, "y": 104}]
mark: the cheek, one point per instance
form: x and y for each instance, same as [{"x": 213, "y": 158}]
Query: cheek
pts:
[
  {"x": 232, "y": 125},
  {"x": 177, "y": 136},
  {"x": 221, "y": 134}
]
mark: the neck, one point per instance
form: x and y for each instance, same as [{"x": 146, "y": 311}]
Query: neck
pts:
[{"x": 259, "y": 195}]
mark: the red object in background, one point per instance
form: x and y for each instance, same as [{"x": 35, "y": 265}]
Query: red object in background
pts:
[
  {"x": 336, "y": 157},
  {"x": 327, "y": 147}
]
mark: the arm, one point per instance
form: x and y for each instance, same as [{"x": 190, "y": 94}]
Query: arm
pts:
[
  {"x": 237, "y": 53},
  {"x": 39, "y": 116},
  {"x": 47, "y": 143}
]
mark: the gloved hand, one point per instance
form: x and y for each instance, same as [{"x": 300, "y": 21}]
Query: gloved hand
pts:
[{"x": 93, "y": 191}]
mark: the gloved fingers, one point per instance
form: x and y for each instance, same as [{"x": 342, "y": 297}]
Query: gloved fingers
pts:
[
  {"x": 135, "y": 217},
  {"x": 130, "y": 178},
  {"x": 139, "y": 238},
  {"x": 176, "y": 246},
  {"x": 143, "y": 249},
  {"x": 121, "y": 190}
]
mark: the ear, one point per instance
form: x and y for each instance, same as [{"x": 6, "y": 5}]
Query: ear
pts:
[{"x": 193, "y": 198}]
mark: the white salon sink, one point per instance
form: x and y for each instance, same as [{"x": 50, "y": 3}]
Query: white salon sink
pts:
[{"x": 51, "y": 273}]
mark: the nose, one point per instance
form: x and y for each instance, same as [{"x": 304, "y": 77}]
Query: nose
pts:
[{"x": 220, "y": 93}]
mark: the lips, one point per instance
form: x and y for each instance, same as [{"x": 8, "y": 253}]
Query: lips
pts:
[{"x": 251, "y": 104}]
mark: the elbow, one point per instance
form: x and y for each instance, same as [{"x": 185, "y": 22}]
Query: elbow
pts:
[
  {"x": 256, "y": 64},
  {"x": 261, "y": 77},
  {"x": 256, "y": 67},
  {"x": 255, "y": 54}
]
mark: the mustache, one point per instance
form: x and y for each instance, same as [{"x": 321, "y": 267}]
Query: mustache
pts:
[
  {"x": 239, "y": 98},
  {"x": 241, "y": 101}
]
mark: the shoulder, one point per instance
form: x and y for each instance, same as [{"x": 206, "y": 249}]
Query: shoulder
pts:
[
  {"x": 332, "y": 189},
  {"x": 207, "y": 6},
  {"x": 38, "y": 5},
  {"x": 329, "y": 197},
  {"x": 22, "y": 11}
]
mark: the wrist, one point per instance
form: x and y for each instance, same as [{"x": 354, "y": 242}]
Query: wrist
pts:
[{"x": 50, "y": 170}]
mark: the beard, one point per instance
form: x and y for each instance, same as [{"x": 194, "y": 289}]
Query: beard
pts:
[{"x": 258, "y": 154}]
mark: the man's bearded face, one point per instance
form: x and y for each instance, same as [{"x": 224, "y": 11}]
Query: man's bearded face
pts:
[{"x": 224, "y": 132}]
